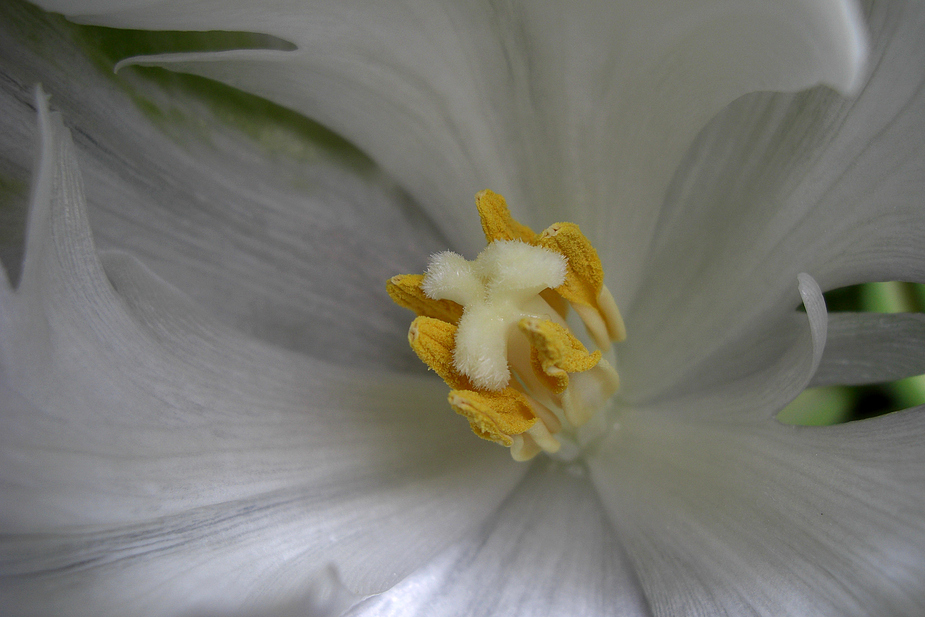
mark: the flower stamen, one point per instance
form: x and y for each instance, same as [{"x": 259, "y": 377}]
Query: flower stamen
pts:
[
  {"x": 495, "y": 416},
  {"x": 584, "y": 285},
  {"x": 494, "y": 330},
  {"x": 555, "y": 352}
]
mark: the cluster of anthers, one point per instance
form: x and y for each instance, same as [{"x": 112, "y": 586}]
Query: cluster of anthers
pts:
[{"x": 503, "y": 315}]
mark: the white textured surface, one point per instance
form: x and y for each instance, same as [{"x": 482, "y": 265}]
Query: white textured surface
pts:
[
  {"x": 170, "y": 464},
  {"x": 719, "y": 509}
]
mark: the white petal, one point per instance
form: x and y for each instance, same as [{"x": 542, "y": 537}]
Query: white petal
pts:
[
  {"x": 870, "y": 348},
  {"x": 549, "y": 550},
  {"x": 766, "y": 519},
  {"x": 274, "y": 230},
  {"x": 758, "y": 381},
  {"x": 153, "y": 458},
  {"x": 778, "y": 185},
  {"x": 573, "y": 110}
]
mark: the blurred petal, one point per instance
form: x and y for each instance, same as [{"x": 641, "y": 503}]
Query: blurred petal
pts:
[
  {"x": 155, "y": 459},
  {"x": 572, "y": 110},
  {"x": 865, "y": 348},
  {"x": 550, "y": 550},
  {"x": 766, "y": 519},
  {"x": 778, "y": 185},
  {"x": 275, "y": 227}
]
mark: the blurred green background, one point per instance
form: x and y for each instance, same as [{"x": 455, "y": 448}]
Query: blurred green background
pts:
[{"x": 833, "y": 405}]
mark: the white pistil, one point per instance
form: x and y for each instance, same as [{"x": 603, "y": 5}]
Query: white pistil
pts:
[{"x": 493, "y": 290}]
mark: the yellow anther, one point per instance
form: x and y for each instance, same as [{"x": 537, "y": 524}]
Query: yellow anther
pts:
[
  {"x": 494, "y": 416},
  {"x": 584, "y": 283},
  {"x": 405, "y": 290},
  {"x": 433, "y": 341},
  {"x": 585, "y": 277},
  {"x": 555, "y": 352},
  {"x": 497, "y": 222}
]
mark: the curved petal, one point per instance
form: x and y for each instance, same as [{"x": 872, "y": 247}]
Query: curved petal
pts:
[
  {"x": 760, "y": 381},
  {"x": 549, "y": 550},
  {"x": 273, "y": 225},
  {"x": 765, "y": 519},
  {"x": 572, "y": 110},
  {"x": 155, "y": 459},
  {"x": 783, "y": 184},
  {"x": 865, "y": 348}
]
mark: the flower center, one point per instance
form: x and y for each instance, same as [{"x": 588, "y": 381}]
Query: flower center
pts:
[{"x": 495, "y": 330}]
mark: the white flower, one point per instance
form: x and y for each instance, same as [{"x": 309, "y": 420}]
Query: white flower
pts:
[{"x": 246, "y": 437}]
